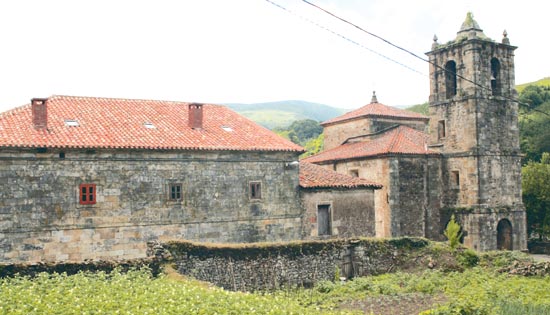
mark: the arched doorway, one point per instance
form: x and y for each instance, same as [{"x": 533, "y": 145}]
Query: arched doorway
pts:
[{"x": 504, "y": 235}]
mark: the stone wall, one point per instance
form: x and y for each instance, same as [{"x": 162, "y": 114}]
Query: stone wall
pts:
[
  {"x": 272, "y": 266},
  {"x": 337, "y": 133},
  {"x": 414, "y": 196},
  {"x": 352, "y": 211},
  {"x": 480, "y": 226},
  {"x": 41, "y": 218}
]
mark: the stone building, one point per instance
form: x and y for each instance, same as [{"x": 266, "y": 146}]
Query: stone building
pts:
[
  {"x": 468, "y": 160},
  {"x": 88, "y": 178},
  {"x": 96, "y": 178},
  {"x": 336, "y": 205}
]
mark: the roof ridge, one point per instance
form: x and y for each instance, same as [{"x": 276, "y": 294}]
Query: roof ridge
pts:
[{"x": 60, "y": 96}]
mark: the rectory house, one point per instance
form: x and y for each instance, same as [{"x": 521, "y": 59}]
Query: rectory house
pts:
[{"x": 88, "y": 178}]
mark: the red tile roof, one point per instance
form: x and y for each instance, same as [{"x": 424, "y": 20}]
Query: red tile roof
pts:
[
  {"x": 398, "y": 140},
  {"x": 314, "y": 176},
  {"x": 377, "y": 110},
  {"x": 120, "y": 123}
]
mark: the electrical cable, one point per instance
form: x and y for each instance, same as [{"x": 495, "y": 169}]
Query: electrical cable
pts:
[
  {"x": 416, "y": 56},
  {"x": 395, "y": 46}
]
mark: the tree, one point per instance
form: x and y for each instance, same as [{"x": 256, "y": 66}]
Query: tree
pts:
[
  {"x": 314, "y": 146},
  {"x": 536, "y": 195},
  {"x": 301, "y": 131},
  {"x": 534, "y": 121},
  {"x": 453, "y": 233}
]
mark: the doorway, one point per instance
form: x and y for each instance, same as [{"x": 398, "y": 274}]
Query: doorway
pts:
[
  {"x": 323, "y": 220},
  {"x": 504, "y": 235}
]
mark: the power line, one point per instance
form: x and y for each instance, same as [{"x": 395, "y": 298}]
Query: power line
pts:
[
  {"x": 344, "y": 37},
  {"x": 416, "y": 56}
]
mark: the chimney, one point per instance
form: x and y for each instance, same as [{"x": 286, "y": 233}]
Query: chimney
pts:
[
  {"x": 195, "y": 116},
  {"x": 39, "y": 113}
]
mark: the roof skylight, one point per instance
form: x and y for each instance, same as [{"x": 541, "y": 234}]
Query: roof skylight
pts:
[
  {"x": 149, "y": 125},
  {"x": 227, "y": 128},
  {"x": 71, "y": 123}
]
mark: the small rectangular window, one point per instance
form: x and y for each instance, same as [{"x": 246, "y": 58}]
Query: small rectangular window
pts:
[
  {"x": 175, "y": 192},
  {"x": 255, "y": 190},
  {"x": 354, "y": 173},
  {"x": 455, "y": 179},
  {"x": 87, "y": 194},
  {"x": 441, "y": 132}
]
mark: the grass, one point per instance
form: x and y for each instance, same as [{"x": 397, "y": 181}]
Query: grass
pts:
[{"x": 477, "y": 290}]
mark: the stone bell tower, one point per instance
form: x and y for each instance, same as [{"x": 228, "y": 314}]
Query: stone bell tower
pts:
[{"x": 474, "y": 124}]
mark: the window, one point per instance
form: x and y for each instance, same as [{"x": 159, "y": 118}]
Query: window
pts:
[
  {"x": 255, "y": 190},
  {"x": 354, "y": 173},
  {"x": 455, "y": 179},
  {"x": 87, "y": 194},
  {"x": 450, "y": 78},
  {"x": 175, "y": 192},
  {"x": 323, "y": 220},
  {"x": 495, "y": 77},
  {"x": 441, "y": 129}
]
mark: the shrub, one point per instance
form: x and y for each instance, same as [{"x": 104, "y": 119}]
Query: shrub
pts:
[
  {"x": 453, "y": 233},
  {"x": 468, "y": 258}
]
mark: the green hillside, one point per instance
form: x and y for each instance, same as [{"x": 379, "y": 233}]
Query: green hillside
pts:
[
  {"x": 281, "y": 114},
  {"x": 541, "y": 82}
]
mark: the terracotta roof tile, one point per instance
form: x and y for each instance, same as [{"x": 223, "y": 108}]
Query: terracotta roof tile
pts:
[
  {"x": 378, "y": 110},
  {"x": 314, "y": 176},
  {"x": 398, "y": 140},
  {"x": 120, "y": 123}
]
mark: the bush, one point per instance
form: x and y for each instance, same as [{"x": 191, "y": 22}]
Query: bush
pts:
[
  {"x": 468, "y": 258},
  {"x": 453, "y": 233}
]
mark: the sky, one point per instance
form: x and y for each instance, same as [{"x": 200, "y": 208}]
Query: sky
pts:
[{"x": 247, "y": 51}]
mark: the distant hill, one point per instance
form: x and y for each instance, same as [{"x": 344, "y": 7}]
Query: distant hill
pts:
[
  {"x": 281, "y": 114},
  {"x": 420, "y": 108},
  {"x": 541, "y": 82}
]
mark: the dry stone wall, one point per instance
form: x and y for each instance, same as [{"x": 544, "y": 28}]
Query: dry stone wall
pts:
[{"x": 272, "y": 266}]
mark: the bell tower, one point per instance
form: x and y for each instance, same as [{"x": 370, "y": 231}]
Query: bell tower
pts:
[{"x": 474, "y": 124}]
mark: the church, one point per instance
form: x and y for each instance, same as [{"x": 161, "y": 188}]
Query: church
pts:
[
  {"x": 462, "y": 159},
  {"x": 97, "y": 178}
]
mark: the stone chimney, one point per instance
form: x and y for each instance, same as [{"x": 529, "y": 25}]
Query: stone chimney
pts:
[
  {"x": 195, "y": 116},
  {"x": 39, "y": 113}
]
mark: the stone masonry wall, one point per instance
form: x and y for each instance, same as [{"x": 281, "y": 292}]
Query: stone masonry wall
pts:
[
  {"x": 271, "y": 266},
  {"x": 352, "y": 211},
  {"x": 41, "y": 218},
  {"x": 414, "y": 196}
]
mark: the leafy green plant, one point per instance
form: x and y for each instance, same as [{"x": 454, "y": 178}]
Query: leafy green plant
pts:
[
  {"x": 453, "y": 233},
  {"x": 468, "y": 258}
]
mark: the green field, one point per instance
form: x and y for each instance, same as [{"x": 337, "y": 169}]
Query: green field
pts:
[{"x": 474, "y": 291}]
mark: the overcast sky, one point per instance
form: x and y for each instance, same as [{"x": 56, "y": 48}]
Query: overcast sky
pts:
[{"x": 246, "y": 51}]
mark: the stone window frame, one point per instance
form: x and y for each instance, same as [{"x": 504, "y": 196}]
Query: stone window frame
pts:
[
  {"x": 87, "y": 194},
  {"x": 255, "y": 190},
  {"x": 455, "y": 179},
  {"x": 173, "y": 195},
  {"x": 451, "y": 81},
  {"x": 441, "y": 129}
]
